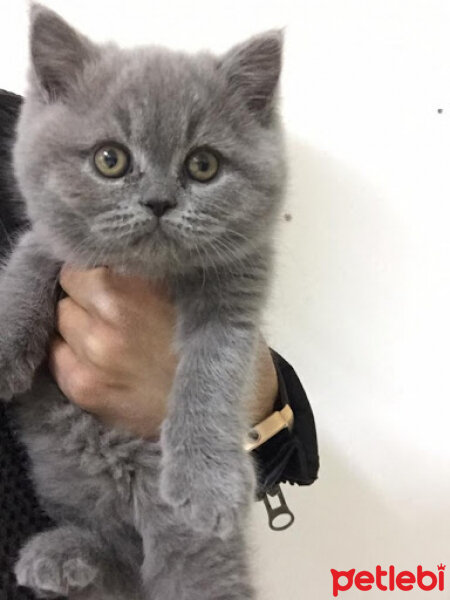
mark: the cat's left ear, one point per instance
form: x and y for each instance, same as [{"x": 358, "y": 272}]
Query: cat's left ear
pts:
[
  {"x": 253, "y": 69},
  {"x": 58, "y": 53}
]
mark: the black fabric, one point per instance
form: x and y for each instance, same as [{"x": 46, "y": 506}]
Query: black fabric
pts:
[
  {"x": 288, "y": 457},
  {"x": 11, "y": 212},
  {"x": 20, "y": 515}
]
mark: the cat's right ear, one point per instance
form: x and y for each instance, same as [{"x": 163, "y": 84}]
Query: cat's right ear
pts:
[
  {"x": 58, "y": 53},
  {"x": 253, "y": 70}
]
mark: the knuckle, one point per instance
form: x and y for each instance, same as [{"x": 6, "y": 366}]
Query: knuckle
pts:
[
  {"x": 104, "y": 348},
  {"x": 108, "y": 306},
  {"x": 96, "y": 347}
]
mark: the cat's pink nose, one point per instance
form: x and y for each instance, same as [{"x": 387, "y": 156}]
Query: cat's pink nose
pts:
[{"x": 158, "y": 207}]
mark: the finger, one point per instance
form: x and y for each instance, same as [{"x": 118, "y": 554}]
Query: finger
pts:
[
  {"x": 78, "y": 383},
  {"x": 74, "y": 324},
  {"x": 62, "y": 362},
  {"x": 88, "y": 287}
]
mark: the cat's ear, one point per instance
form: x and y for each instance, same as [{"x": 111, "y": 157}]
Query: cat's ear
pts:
[
  {"x": 58, "y": 52},
  {"x": 253, "y": 68}
]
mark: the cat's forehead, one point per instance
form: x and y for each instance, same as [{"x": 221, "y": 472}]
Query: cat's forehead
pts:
[{"x": 170, "y": 94}]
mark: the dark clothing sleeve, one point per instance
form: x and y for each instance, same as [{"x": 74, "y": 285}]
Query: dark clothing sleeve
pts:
[
  {"x": 11, "y": 207},
  {"x": 290, "y": 456}
]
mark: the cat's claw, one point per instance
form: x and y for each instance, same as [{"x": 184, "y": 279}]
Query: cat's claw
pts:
[{"x": 212, "y": 502}]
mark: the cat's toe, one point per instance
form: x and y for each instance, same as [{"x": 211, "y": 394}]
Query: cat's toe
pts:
[
  {"x": 174, "y": 486},
  {"x": 210, "y": 517},
  {"x": 42, "y": 575},
  {"x": 78, "y": 574}
]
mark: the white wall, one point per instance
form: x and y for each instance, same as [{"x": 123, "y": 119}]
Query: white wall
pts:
[{"x": 362, "y": 296}]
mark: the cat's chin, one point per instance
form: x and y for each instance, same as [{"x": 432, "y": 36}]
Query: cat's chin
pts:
[{"x": 158, "y": 253}]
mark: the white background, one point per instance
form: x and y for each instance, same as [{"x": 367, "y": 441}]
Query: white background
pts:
[{"x": 362, "y": 296}]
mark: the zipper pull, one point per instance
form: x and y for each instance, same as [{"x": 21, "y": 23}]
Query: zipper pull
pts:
[{"x": 280, "y": 516}]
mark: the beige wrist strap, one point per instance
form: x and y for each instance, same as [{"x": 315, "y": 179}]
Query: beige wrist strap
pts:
[{"x": 274, "y": 423}]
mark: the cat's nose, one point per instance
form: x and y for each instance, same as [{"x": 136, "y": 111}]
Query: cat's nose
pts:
[{"x": 158, "y": 207}]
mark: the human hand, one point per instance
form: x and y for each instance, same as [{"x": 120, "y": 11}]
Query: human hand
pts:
[{"x": 114, "y": 356}]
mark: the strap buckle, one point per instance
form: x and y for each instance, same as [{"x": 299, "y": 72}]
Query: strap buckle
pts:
[{"x": 267, "y": 429}]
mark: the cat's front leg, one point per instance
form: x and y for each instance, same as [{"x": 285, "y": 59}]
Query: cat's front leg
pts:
[
  {"x": 28, "y": 285},
  {"x": 206, "y": 475}
]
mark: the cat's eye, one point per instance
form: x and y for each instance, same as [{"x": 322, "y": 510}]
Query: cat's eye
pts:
[
  {"x": 202, "y": 165},
  {"x": 112, "y": 160}
]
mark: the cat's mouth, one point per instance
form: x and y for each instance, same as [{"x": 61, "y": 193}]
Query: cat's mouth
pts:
[{"x": 156, "y": 233}]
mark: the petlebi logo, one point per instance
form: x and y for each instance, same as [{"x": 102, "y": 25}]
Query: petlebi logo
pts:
[{"x": 389, "y": 579}]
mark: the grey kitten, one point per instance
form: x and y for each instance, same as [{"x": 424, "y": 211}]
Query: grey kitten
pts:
[{"x": 169, "y": 166}]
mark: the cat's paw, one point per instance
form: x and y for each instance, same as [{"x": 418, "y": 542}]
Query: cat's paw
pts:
[
  {"x": 48, "y": 578},
  {"x": 50, "y": 573},
  {"x": 211, "y": 498},
  {"x": 17, "y": 368}
]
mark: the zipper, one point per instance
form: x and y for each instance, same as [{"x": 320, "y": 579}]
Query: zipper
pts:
[{"x": 279, "y": 514}]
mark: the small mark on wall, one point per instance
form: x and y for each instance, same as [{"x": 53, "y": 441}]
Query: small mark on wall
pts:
[
  {"x": 287, "y": 217},
  {"x": 440, "y": 111}
]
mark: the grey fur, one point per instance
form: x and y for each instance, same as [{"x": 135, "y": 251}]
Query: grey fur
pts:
[{"x": 139, "y": 519}]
